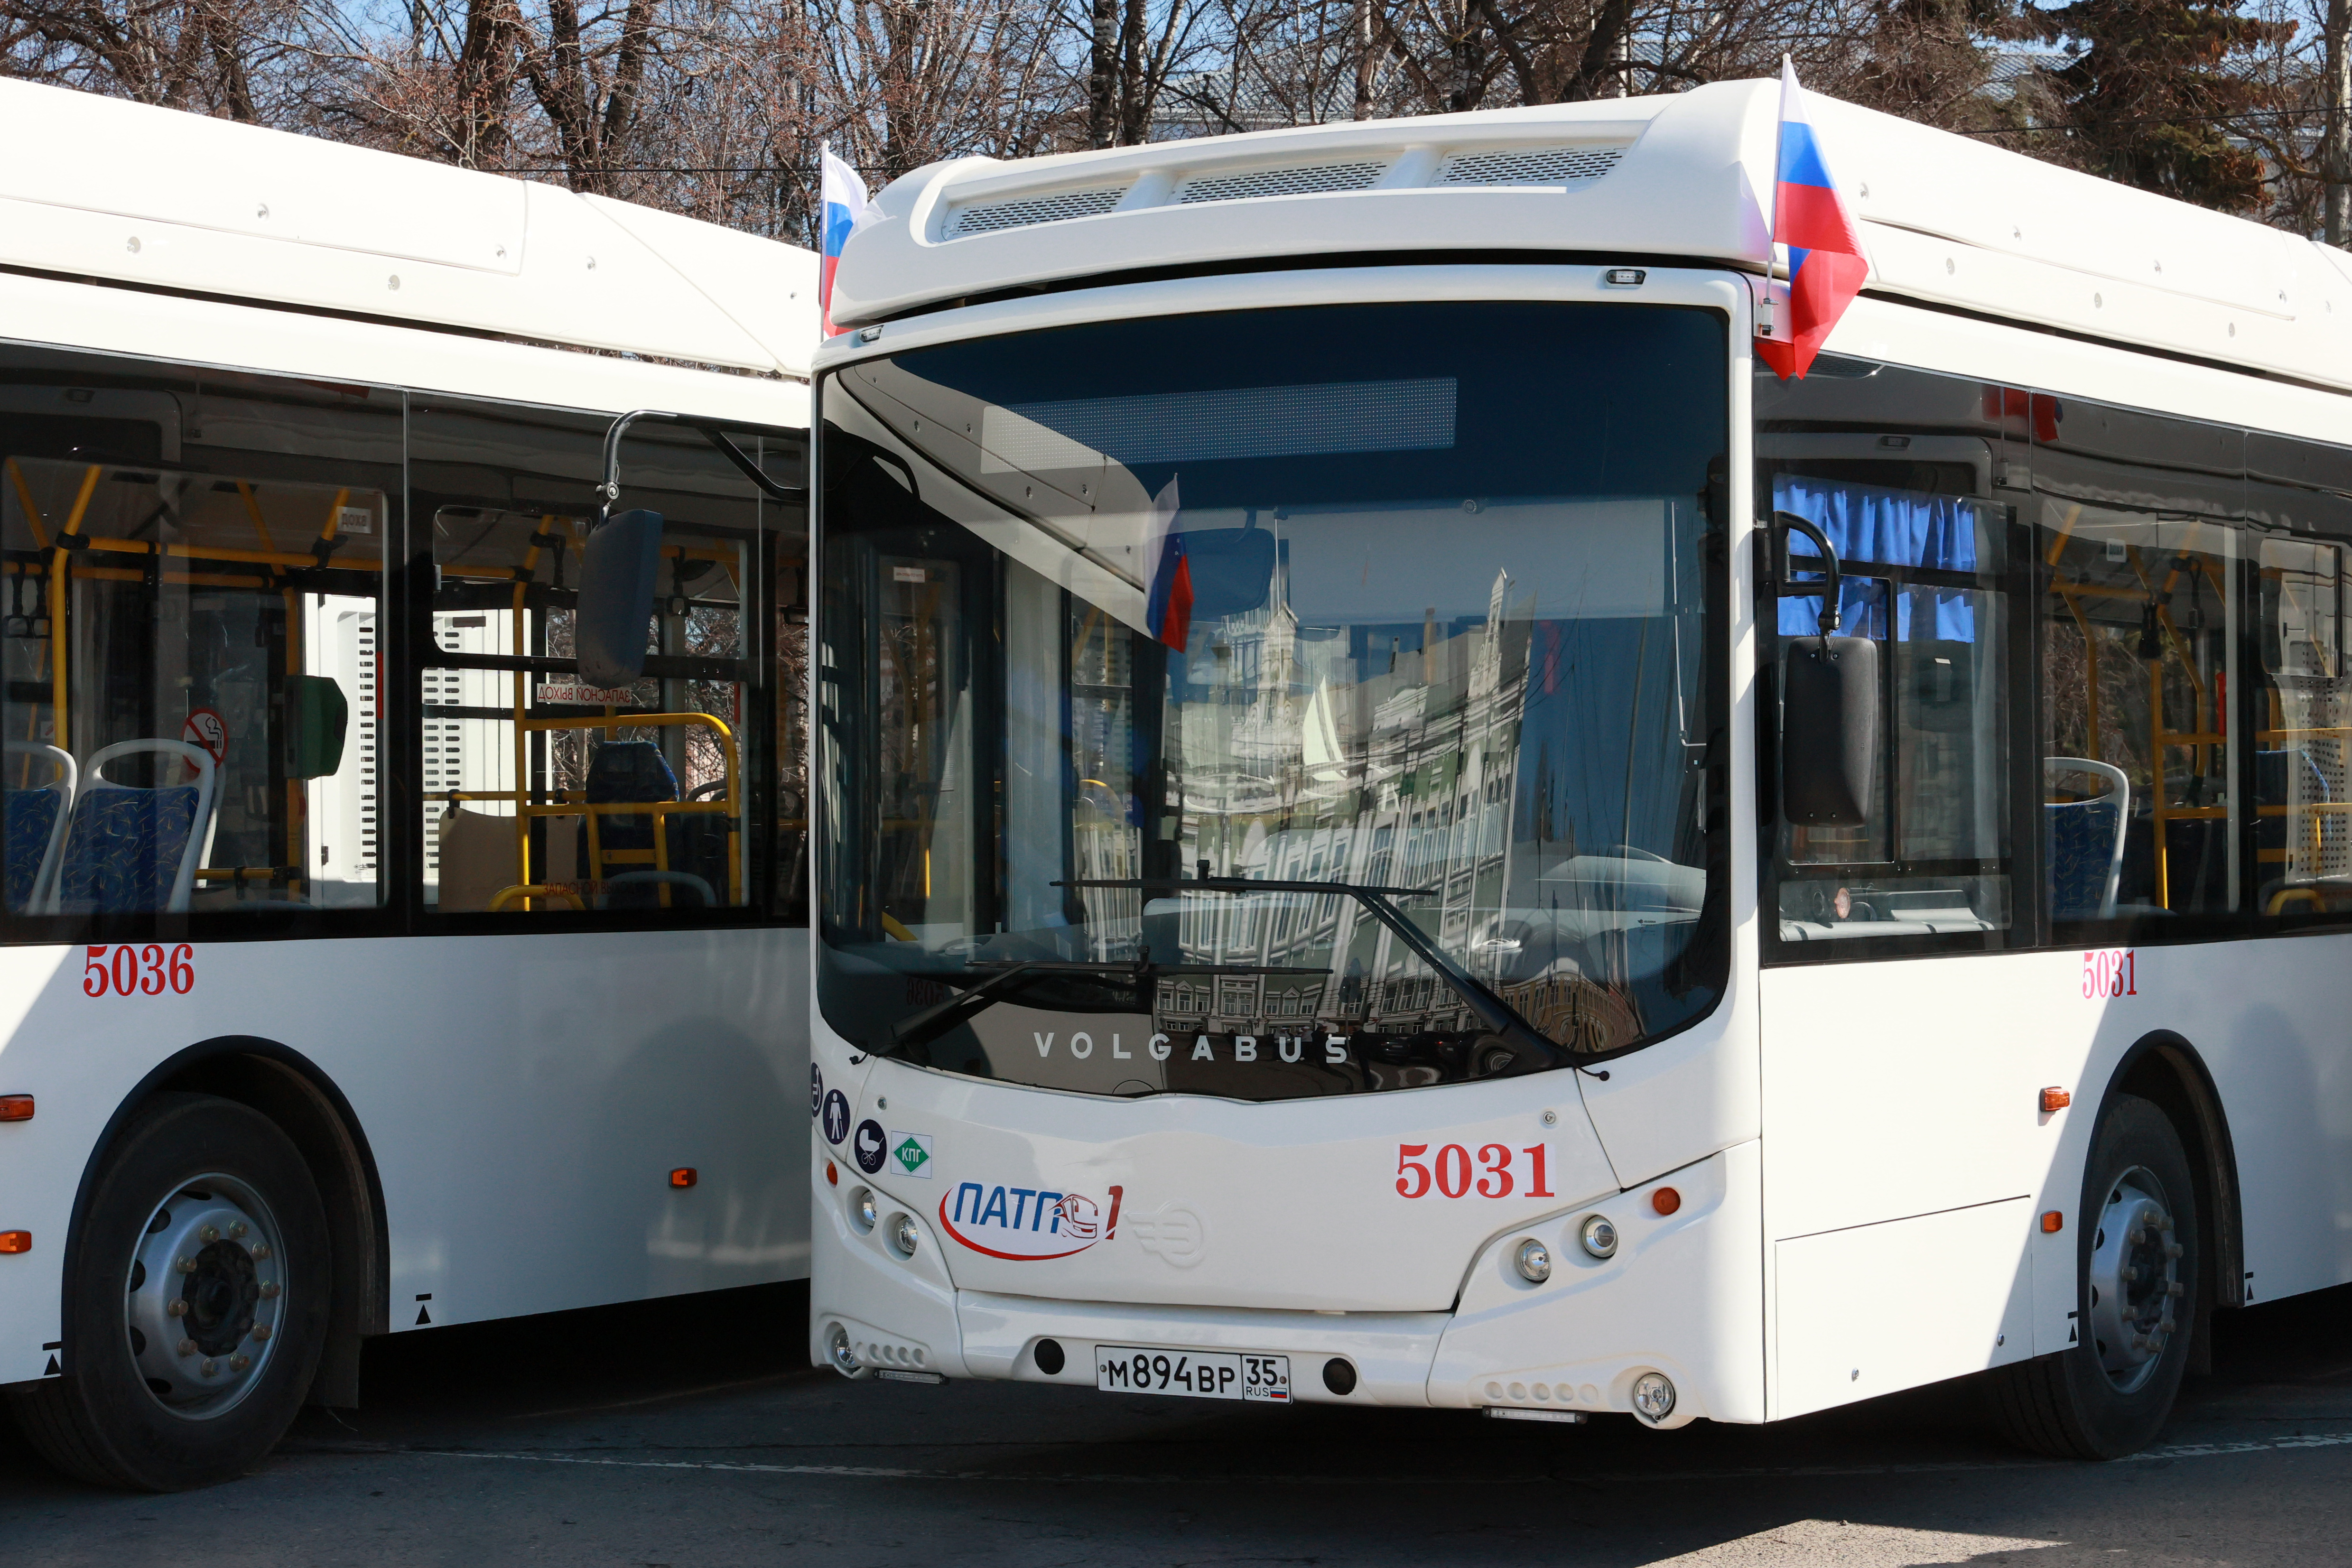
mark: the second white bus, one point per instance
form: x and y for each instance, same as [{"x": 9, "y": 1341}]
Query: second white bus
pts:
[{"x": 364, "y": 969}]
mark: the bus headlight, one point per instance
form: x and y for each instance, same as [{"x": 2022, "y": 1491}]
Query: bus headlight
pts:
[
  {"x": 1599, "y": 1235},
  {"x": 1653, "y": 1396},
  {"x": 903, "y": 1235},
  {"x": 1533, "y": 1262},
  {"x": 863, "y": 1213}
]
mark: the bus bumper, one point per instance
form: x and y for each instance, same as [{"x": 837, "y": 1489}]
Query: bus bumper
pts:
[{"x": 1682, "y": 1296}]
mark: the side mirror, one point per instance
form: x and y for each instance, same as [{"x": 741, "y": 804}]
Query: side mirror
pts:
[
  {"x": 317, "y": 719},
  {"x": 619, "y": 567},
  {"x": 1829, "y": 731},
  {"x": 1828, "y": 700}
]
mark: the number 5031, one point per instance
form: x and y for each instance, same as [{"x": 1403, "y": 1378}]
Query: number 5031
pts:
[
  {"x": 1454, "y": 1171},
  {"x": 133, "y": 970},
  {"x": 2110, "y": 972}
]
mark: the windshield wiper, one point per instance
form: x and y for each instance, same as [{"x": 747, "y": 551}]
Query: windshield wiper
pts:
[
  {"x": 1496, "y": 1014},
  {"x": 940, "y": 1016}
]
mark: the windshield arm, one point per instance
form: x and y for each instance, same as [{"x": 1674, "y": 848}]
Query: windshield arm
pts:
[
  {"x": 940, "y": 1016},
  {"x": 1492, "y": 1011}
]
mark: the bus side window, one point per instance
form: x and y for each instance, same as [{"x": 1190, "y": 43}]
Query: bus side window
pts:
[
  {"x": 541, "y": 796},
  {"x": 2134, "y": 520},
  {"x": 1898, "y": 469},
  {"x": 2299, "y": 495},
  {"x": 190, "y": 634}
]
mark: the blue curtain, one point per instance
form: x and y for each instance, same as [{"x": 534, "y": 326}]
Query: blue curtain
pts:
[{"x": 1867, "y": 523}]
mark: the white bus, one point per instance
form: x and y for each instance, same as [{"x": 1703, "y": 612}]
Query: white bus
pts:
[
  {"x": 1466, "y": 941},
  {"x": 363, "y": 967}
]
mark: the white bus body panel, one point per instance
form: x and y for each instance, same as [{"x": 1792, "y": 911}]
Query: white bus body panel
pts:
[
  {"x": 156, "y": 197},
  {"x": 1944, "y": 218},
  {"x": 524, "y": 1097}
]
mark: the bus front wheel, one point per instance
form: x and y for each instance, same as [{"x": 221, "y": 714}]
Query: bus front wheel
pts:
[
  {"x": 2136, "y": 1278},
  {"x": 195, "y": 1302}
]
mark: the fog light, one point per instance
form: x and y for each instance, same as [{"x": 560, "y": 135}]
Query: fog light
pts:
[
  {"x": 1653, "y": 1396},
  {"x": 862, "y": 1210},
  {"x": 1599, "y": 1236},
  {"x": 903, "y": 1234},
  {"x": 1534, "y": 1260},
  {"x": 844, "y": 1360}
]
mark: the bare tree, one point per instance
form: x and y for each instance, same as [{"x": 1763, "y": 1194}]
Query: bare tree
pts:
[{"x": 235, "y": 59}]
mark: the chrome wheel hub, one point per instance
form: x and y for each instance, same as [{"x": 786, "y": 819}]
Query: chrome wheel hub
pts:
[
  {"x": 206, "y": 1291},
  {"x": 2136, "y": 1284}
]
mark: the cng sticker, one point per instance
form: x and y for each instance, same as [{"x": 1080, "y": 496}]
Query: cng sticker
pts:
[{"x": 912, "y": 1152}]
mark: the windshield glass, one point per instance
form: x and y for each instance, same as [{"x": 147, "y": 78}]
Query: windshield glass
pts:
[{"x": 1275, "y": 703}]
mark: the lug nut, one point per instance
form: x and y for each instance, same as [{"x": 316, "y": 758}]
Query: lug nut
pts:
[
  {"x": 2165, "y": 1327},
  {"x": 209, "y": 1367},
  {"x": 2165, "y": 1224},
  {"x": 187, "y": 1347},
  {"x": 270, "y": 1290},
  {"x": 2174, "y": 1249},
  {"x": 2127, "y": 1273},
  {"x": 237, "y": 1231},
  {"x": 208, "y": 1233},
  {"x": 240, "y": 1363},
  {"x": 2175, "y": 1288},
  {"x": 261, "y": 1251},
  {"x": 175, "y": 1309},
  {"x": 186, "y": 1265},
  {"x": 260, "y": 1333}
]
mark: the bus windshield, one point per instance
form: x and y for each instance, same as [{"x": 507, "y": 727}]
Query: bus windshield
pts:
[{"x": 1275, "y": 703}]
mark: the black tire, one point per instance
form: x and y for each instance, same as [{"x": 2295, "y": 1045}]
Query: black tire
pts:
[
  {"x": 2109, "y": 1395},
  {"x": 106, "y": 1419}
]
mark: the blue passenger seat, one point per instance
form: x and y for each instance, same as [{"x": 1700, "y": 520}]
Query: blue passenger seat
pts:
[
  {"x": 129, "y": 847},
  {"x": 36, "y": 823}
]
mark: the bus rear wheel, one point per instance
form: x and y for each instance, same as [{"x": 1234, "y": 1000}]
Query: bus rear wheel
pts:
[
  {"x": 195, "y": 1302},
  {"x": 2138, "y": 1275}
]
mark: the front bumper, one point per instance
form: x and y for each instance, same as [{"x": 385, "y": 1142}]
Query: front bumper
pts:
[{"x": 1682, "y": 1296}]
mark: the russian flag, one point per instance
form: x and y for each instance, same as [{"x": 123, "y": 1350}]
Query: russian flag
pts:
[
  {"x": 1826, "y": 266},
  {"x": 1168, "y": 593},
  {"x": 847, "y": 209}
]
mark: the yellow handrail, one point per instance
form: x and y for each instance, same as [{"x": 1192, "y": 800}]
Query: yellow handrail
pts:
[{"x": 530, "y": 890}]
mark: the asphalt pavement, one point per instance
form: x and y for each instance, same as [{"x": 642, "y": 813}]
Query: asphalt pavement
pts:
[{"x": 691, "y": 1432}]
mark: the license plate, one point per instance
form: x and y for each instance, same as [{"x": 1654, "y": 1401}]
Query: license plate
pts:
[{"x": 1203, "y": 1374}]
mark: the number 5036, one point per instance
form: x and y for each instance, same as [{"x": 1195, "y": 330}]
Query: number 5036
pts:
[{"x": 133, "y": 970}]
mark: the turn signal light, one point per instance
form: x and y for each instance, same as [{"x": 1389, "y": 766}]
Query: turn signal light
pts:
[
  {"x": 832, "y": 1173},
  {"x": 15, "y": 1107},
  {"x": 683, "y": 1176},
  {"x": 2055, "y": 1099},
  {"x": 1665, "y": 1200},
  {"x": 2053, "y": 1223},
  {"x": 15, "y": 1242}
]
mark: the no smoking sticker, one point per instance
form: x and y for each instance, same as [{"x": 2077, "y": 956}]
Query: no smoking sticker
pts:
[{"x": 206, "y": 728}]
